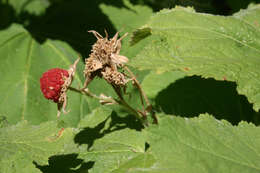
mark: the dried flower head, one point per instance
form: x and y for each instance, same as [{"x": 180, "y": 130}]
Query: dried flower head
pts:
[{"x": 105, "y": 59}]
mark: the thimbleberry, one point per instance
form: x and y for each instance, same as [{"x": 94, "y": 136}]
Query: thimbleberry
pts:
[{"x": 52, "y": 82}]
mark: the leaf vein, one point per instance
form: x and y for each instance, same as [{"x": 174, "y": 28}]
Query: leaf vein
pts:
[
  {"x": 207, "y": 30},
  {"x": 26, "y": 75}
]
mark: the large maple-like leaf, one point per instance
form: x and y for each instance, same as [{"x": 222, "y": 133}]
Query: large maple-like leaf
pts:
[
  {"x": 24, "y": 144},
  {"x": 225, "y": 48},
  {"x": 23, "y": 60},
  {"x": 203, "y": 144},
  {"x": 114, "y": 143}
]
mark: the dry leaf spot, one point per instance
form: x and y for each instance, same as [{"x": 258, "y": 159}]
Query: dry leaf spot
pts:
[{"x": 186, "y": 68}]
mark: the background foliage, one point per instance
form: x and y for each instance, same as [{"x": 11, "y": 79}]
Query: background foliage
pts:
[{"x": 199, "y": 66}]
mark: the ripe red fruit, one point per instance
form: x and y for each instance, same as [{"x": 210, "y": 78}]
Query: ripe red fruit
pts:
[{"x": 51, "y": 83}]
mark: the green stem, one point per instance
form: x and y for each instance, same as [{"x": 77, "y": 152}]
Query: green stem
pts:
[
  {"x": 138, "y": 85},
  {"x": 126, "y": 105},
  {"x": 85, "y": 92},
  {"x": 121, "y": 101},
  {"x": 143, "y": 95}
]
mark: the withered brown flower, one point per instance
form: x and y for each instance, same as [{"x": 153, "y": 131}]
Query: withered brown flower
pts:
[{"x": 105, "y": 60}]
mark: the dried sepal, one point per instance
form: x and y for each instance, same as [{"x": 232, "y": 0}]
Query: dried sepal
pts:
[
  {"x": 92, "y": 65},
  {"x": 119, "y": 60},
  {"x": 62, "y": 103}
]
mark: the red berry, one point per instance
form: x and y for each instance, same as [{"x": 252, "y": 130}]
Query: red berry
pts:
[{"x": 51, "y": 83}]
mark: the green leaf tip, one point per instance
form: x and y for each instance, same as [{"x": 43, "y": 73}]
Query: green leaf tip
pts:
[{"x": 139, "y": 35}]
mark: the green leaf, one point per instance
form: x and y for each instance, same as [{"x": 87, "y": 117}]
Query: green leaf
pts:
[
  {"x": 140, "y": 34},
  {"x": 154, "y": 82},
  {"x": 174, "y": 93},
  {"x": 23, "y": 144},
  {"x": 115, "y": 144},
  {"x": 137, "y": 16},
  {"x": 203, "y": 144},
  {"x": 137, "y": 164},
  {"x": 23, "y": 60},
  {"x": 225, "y": 48},
  {"x": 36, "y": 7}
]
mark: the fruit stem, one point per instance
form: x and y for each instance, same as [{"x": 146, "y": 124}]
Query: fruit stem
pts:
[
  {"x": 92, "y": 95},
  {"x": 110, "y": 100}
]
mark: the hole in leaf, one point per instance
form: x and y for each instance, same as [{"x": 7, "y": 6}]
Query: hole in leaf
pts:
[
  {"x": 65, "y": 164},
  {"x": 191, "y": 96}
]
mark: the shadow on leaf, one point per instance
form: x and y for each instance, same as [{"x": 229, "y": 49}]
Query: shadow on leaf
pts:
[
  {"x": 65, "y": 20},
  {"x": 65, "y": 164},
  {"x": 113, "y": 123},
  {"x": 7, "y": 15},
  {"x": 191, "y": 96}
]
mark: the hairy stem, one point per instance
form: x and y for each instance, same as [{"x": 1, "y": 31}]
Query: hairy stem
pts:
[
  {"x": 92, "y": 95},
  {"x": 138, "y": 85},
  {"x": 106, "y": 99},
  {"x": 142, "y": 95},
  {"x": 125, "y": 104}
]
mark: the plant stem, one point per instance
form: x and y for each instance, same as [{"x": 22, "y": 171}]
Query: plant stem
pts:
[
  {"x": 125, "y": 104},
  {"x": 138, "y": 85},
  {"x": 85, "y": 91},
  {"x": 121, "y": 100},
  {"x": 143, "y": 95}
]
